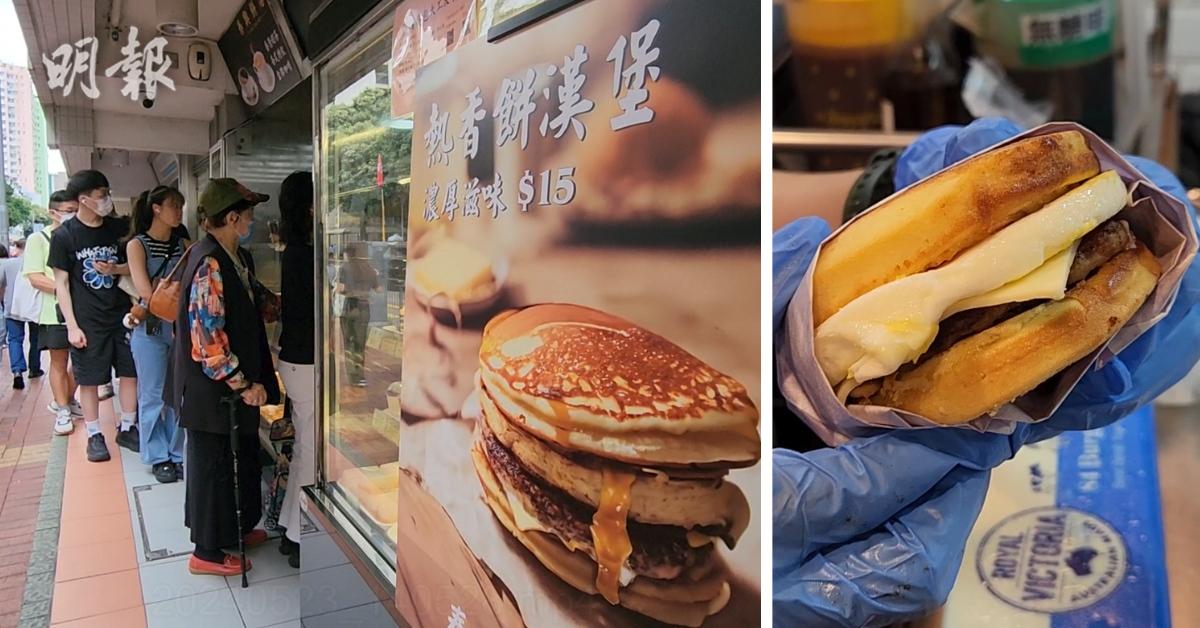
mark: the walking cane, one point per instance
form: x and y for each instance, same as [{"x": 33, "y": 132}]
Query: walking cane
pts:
[{"x": 231, "y": 404}]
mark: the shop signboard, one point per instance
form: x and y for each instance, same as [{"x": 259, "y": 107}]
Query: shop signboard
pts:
[
  {"x": 424, "y": 31},
  {"x": 260, "y": 54},
  {"x": 579, "y": 404}
]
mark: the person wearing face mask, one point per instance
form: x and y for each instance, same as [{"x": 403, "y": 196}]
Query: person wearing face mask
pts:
[
  {"x": 52, "y": 328},
  {"x": 244, "y": 254},
  {"x": 86, "y": 256},
  {"x": 221, "y": 352},
  {"x": 153, "y": 249}
]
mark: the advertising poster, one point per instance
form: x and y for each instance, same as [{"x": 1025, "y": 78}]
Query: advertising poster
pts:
[
  {"x": 493, "y": 12},
  {"x": 260, "y": 57},
  {"x": 423, "y": 32},
  {"x": 580, "y": 396}
]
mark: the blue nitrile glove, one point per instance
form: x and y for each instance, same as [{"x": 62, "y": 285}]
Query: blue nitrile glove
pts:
[{"x": 872, "y": 532}]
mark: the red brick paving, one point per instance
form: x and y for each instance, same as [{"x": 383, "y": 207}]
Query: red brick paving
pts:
[{"x": 25, "y": 432}]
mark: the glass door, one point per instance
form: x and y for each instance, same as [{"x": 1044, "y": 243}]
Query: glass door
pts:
[
  {"x": 363, "y": 179},
  {"x": 260, "y": 154}
]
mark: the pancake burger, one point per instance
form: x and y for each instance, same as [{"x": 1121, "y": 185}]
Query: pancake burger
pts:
[
  {"x": 603, "y": 449},
  {"x": 973, "y": 287}
]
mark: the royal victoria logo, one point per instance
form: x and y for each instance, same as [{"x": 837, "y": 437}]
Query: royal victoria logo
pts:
[{"x": 1051, "y": 560}]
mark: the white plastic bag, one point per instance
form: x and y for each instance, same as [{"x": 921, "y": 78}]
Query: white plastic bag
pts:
[{"x": 27, "y": 301}]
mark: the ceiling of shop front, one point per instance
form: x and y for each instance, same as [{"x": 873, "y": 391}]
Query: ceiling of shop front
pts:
[
  {"x": 128, "y": 172},
  {"x": 215, "y": 15},
  {"x": 74, "y": 119}
]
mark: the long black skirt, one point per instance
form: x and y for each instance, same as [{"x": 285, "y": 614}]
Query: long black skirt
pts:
[{"x": 208, "y": 505}]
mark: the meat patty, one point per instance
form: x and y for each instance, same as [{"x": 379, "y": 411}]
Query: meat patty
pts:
[
  {"x": 1097, "y": 247},
  {"x": 971, "y": 322},
  {"x": 659, "y": 551}
]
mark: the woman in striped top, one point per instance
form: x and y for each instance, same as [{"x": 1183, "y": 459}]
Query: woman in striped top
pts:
[{"x": 153, "y": 249}]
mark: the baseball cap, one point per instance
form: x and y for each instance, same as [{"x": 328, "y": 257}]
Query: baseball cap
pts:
[{"x": 222, "y": 194}]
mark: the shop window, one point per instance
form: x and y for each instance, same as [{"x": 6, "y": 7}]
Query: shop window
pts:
[{"x": 363, "y": 204}]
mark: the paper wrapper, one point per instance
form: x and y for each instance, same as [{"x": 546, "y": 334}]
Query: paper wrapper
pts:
[
  {"x": 440, "y": 452},
  {"x": 1157, "y": 219}
]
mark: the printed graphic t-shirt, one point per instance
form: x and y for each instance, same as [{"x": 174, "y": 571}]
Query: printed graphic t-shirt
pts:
[{"x": 98, "y": 303}]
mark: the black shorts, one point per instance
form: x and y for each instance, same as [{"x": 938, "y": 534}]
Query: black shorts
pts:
[
  {"x": 105, "y": 352},
  {"x": 53, "y": 337}
]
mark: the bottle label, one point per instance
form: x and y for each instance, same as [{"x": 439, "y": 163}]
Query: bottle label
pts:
[{"x": 1066, "y": 36}]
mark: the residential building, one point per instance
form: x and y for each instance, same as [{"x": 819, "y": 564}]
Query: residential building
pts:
[{"x": 24, "y": 144}]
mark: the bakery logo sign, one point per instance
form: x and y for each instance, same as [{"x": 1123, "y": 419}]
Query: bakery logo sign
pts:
[
  {"x": 1052, "y": 560},
  {"x": 634, "y": 67},
  {"x": 142, "y": 68}
]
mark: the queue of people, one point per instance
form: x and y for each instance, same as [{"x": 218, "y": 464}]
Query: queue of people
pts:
[
  {"x": 87, "y": 289},
  {"x": 15, "y": 328}
]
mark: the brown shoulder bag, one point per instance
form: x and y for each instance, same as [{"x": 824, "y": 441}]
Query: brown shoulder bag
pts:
[{"x": 164, "y": 302}]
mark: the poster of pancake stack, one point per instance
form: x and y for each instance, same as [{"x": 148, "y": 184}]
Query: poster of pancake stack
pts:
[{"x": 580, "y": 401}]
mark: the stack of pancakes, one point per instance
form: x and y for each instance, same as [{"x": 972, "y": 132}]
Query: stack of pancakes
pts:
[{"x": 603, "y": 450}]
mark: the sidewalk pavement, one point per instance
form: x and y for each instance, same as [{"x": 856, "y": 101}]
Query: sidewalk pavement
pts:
[
  {"x": 91, "y": 545},
  {"x": 336, "y": 593},
  {"x": 25, "y": 439}
]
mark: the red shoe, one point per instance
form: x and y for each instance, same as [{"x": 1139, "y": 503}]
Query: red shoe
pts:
[
  {"x": 257, "y": 536},
  {"x": 231, "y": 566}
]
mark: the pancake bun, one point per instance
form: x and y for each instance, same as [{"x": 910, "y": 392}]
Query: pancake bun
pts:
[{"x": 592, "y": 381}]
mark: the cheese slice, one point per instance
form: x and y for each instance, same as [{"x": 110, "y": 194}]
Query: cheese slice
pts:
[
  {"x": 524, "y": 519},
  {"x": 893, "y": 324},
  {"x": 1048, "y": 281}
]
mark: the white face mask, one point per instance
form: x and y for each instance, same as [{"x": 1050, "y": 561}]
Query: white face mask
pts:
[{"x": 104, "y": 206}]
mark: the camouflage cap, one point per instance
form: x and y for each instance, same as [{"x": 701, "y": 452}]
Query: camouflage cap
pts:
[{"x": 221, "y": 194}]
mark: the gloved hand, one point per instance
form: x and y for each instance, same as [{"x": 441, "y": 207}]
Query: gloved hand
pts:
[{"x": 872, "y": 532}]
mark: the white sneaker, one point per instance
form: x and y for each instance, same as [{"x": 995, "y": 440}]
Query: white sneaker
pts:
[
  {"x": 62, "y": 423},
  {"x": 75, "y": 408}
]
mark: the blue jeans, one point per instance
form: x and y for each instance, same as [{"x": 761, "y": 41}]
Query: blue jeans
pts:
[
  {"x": 16, "y": 346},
  {"x": 161, "y": 437}
]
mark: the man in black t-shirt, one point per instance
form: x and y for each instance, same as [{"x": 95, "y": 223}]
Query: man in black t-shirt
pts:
[
  {"x": 106, "y": 390},
  {"x": 87, "y": 258}
]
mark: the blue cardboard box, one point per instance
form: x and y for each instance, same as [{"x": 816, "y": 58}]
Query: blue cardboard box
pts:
[{"x": 1070, "y": 536}]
